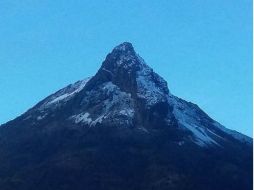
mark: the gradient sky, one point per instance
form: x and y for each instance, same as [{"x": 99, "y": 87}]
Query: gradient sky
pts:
[{"x": 203, "y": 48}]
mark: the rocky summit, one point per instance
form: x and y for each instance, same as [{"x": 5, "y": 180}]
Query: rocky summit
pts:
[{"x": 121, "y": 129}]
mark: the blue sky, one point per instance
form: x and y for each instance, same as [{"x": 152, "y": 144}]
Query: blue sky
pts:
[{"x": 203, "y": 48}]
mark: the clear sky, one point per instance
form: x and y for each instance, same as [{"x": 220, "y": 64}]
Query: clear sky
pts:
[{"x": 203, "y": 48}]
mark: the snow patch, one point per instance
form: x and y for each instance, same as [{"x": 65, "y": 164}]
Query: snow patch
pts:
[
  {"x": 150, "y": 86},
  {"x": 98, "y": 120},
  {"x": 127, "y": 112},
  {"x": 108, "y": 71},
  {"x": 115, "y": 106},
  {"x": 82, "y": 117},
  {"x": 200, "y": 134},
  {"x": 39, "y": 118},
  {"x": 64, "y": 94},
  {"x": 189, "y": 120},
  {"x": 127, "y": 61}
]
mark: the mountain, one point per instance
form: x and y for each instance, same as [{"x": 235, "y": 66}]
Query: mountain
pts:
[{"x": 121, "y": 129}]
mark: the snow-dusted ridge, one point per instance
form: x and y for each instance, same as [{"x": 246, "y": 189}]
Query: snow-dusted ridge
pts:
[
  {"x": 64, "y": 94},
  {"x": 150, "y": 86},
  {"x": 189, "y": 120},
  {"x": 192, "y": 118}
]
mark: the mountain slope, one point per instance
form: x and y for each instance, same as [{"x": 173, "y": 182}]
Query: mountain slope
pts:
[{"x": 121, "y": 129}]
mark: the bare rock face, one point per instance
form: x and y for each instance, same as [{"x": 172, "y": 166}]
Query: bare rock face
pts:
[{"x": 121, "y": 129}]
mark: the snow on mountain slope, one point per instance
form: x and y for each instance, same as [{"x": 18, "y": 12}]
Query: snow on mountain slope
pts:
[
  {"x": 50, "y": 104},
  {"x": 150, "y": 85},
  {"x": 189, "y": 119},
  {"x": 204, "y": 129},
  {"x": 64, "y": 94},
  {"x": 106, "y": 104}
]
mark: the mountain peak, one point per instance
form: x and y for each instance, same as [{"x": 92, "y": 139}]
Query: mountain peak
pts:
[
  {"x": 125, "y": 76},
  {"x": 122, "y": 55},
  {"x": 124, "y": 47},
  {"x": 126, "y": 69}
]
